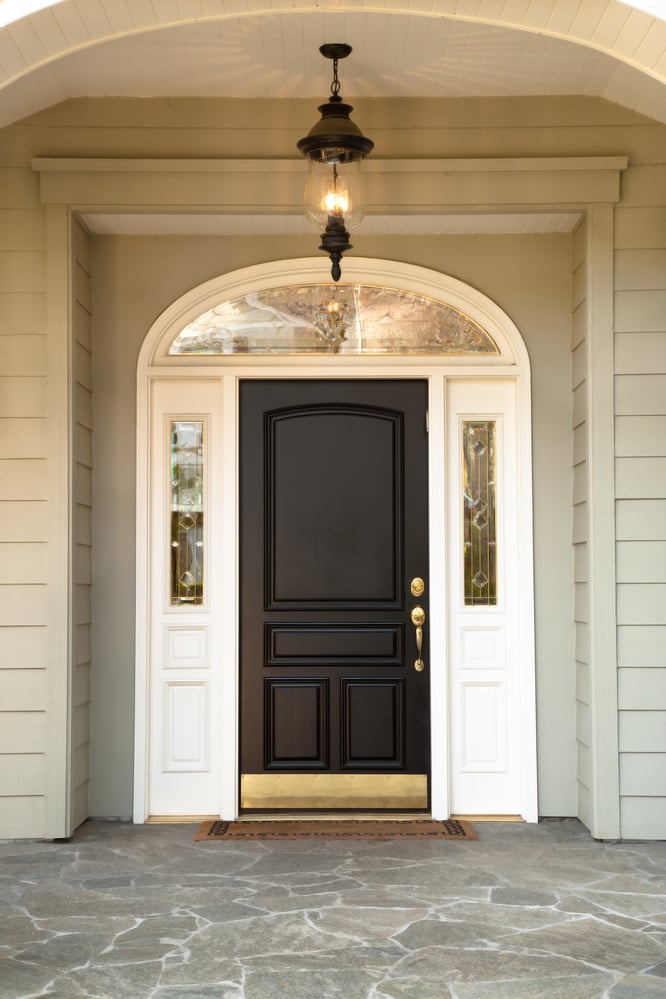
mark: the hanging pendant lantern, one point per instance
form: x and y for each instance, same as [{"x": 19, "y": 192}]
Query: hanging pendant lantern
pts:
[{"x": 334, "y": 148}]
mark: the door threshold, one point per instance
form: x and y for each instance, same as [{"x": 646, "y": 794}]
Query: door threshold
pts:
[
  {"x": 488, "y": 818},
  {"x": 345, "y": 816}
]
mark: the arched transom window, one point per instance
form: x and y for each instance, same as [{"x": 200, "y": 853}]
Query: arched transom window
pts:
[{"x": 346, "y": 319}]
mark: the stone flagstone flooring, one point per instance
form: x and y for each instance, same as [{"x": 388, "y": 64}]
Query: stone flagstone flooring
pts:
[{"x": 142, "y": 912}]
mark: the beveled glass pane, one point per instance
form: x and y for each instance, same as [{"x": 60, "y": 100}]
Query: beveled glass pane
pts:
[
  {"x": 345, "y": 318},
  {"x": 187, "y": 512},
  {"x": 479, "y": 520}
]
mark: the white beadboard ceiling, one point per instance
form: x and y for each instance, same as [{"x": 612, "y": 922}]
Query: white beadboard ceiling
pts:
[{"x": 430, "y": 48}]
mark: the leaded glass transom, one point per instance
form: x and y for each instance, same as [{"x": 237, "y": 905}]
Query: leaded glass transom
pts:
[{"x": 307, "y": 319}]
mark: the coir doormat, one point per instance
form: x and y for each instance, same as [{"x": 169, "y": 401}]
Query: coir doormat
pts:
[{"x": 335, "y": 829}]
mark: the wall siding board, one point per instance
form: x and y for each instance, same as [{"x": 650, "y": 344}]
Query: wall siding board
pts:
[
  {"x": 643, "y": 818},
  {"x": 643, "y": 774},
  {"x": 23, "y": 563},
  {"x": 23, "y": 648},
  {"x": 23, "y": 479},
  {"x": 22, "y": 438},
  {"x": 643, "y": 269},
  {"x": 641, "y": 645},
  {"x": 22, "y": 774},
  {"x": 23, "y": 816},
  {"x": 638, "y": 395},
  {"x": 22, "y": 732},
  {"x": 641, "y": 603},
  {"x": 640, "y": 519},
  {"x": 639, "y": 686},
  {"x": 640, "y": 436},
  {"x": 643, "y": 732},
  {"x": 640, "y": 478},
  {"x": 639, "y": 352},
  {"x": 641, "y": 561}
]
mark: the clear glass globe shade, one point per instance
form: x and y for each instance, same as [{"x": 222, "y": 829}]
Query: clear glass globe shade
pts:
[{"x": 334, "y": 190}]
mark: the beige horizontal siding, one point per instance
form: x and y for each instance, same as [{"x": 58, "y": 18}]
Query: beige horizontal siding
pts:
[
  {"x": 641, "y": 645},
  {"x": 23, "y": 690},
  {"x": 22, "y": 605},
  {"x": 23, "y": 562},
  {"x": 22, "y": 817},
  {"x": 640, "y": 269},
  {"x": 641, "y": 561},
  {"x": 643, "y": 818},
  {"x": 83, "y": 484},
  {"x": 583, "y": 682},
  {"x": 640, "y": 311},
  {"x": 643, "y": 774},
  {"x": 640, "y": 436},
  {"x": 23, "y": 354},
  {"x": 22, "y": 732},
  {"x": 636, "y": 395},
  {"x": 21, "y": 229},
  {"x": 22, "y": 312},
  {"x": 640, "y": 228},
  {"x": 23, "y": 647},
  {"x": 640, "y": 519},
  {"x": 638, "y": 353},
  {"x": 22, "y": 774},
  {"x": 639, "y": 686},
  {"x": 640, "y": 478},
  {"x": 23, "y": 437},
  {"x": 81, "y": 541},
  {"x": 21, "y": 521},
  {"x": 23, "y": 479},
  {"x": 641, "y": 603},
  {"x": 22, "y": 396},
  {"x": 22, "y": 271},
  {"x": 643, "y": 731}
]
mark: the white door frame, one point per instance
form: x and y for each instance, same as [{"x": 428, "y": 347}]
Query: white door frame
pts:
[{"x": 155, "y": 366}]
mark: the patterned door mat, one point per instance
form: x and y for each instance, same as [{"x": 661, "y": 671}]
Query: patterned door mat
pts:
[{"x": 370, "y": 829}]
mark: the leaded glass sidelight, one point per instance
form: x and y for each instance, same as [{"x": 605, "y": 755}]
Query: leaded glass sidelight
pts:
[
  {"x": 187, "y": 512},
  {"x": 479, "y": 498}
]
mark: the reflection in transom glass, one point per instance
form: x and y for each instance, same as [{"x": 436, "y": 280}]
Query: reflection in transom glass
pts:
[{"x": 345, "y": 319}]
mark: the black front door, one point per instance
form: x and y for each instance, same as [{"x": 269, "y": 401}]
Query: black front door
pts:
[{"x": 333, "y": 500}]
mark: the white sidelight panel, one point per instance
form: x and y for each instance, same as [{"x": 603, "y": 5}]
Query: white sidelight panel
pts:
[
  {"x": 486, "y": 661},
  {"x": 183, "y": 596}
]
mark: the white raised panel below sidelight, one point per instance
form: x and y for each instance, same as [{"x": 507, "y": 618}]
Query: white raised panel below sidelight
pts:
[
  {"x": 484, "y": 727},
  {"x": 482, "y": 648},
  {"x": 186, "y": 713},
  {"x": 185, "y": 647}
]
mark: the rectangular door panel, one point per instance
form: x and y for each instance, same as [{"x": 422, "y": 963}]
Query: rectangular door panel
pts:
[
  {"x": 310, "y": 645},
  {"x": 296, "y": 723},
  {"x": 373, "y": 723}
]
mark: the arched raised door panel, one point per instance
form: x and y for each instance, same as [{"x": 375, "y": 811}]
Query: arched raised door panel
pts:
[{"x": 480, "y": 649}]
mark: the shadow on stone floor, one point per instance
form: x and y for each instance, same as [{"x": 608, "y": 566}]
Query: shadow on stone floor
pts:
[{"x": 143, "y": 912}]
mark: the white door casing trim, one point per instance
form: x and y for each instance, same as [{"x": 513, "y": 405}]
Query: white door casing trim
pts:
[{"x": 156, "y": 367}]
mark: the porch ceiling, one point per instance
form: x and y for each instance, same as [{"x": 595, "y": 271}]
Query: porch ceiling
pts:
[{"x": 449, "y": 48}]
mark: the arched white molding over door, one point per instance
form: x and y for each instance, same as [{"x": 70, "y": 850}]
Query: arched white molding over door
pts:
[{"x": 205, "y": 387}]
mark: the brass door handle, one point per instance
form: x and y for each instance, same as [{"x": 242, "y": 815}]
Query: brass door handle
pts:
[{"x": 418, "y": 616}]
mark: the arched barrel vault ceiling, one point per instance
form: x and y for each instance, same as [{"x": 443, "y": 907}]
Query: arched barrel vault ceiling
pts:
[{"x": 430, "y": 48}]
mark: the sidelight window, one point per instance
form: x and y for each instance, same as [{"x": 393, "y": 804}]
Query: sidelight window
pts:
[
  {"x": 479, "y": 513},
  {"x": 187, "y": 512}
]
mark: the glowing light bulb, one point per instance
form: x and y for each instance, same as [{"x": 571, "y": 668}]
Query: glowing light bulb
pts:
[{"x": 335, "y": 203}]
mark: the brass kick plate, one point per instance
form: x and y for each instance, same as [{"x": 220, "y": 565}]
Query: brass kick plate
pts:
[{"x": 334, "y": 791}]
